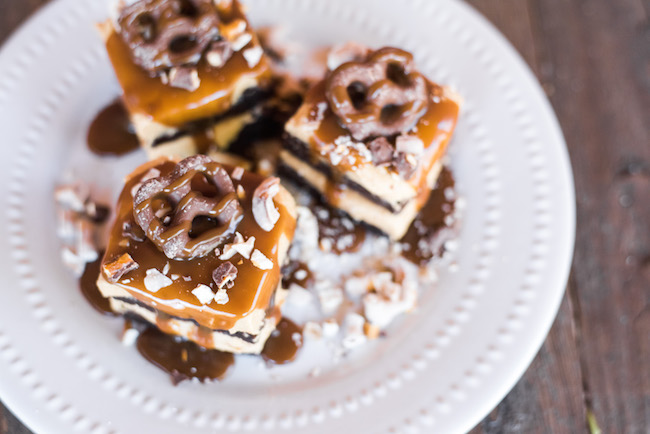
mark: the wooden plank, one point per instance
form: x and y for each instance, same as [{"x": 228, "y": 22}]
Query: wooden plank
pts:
[
  {"x": 593, "y": 58},
  {"x": 9, "y": 424},
  {"x": 14, "y": 12},
  {"x": 600, "y": 56}
]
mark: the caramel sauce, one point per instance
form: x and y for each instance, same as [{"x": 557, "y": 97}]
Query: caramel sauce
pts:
[
  {"x": 111, "y": 132},
  {"x": 429, "y": 231},
  {"x": 148, "y": 96},
  {"x": 204, "y": 140},
  {"x": 345, "y": 235},
  {"x": 333, "y": 192},
  {"x": 297, "y": 272},
  {"x": 181, "y": 359},
  {"x": 88, "y": 287},
  {"x": 283, "y": 344},
  {"x": 201, "y": 335},
  {"x": 434, "y": 128},
  {"x": 253, "y": 287}
]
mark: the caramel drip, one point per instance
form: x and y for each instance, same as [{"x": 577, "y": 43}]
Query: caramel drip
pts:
[
  {"x": 204, "y": 140},
  {"x": 183, "y": 360},
  {"x": 111, "y": 132},
  {"x": 201, "y": 335},
  {"x": 429, "y": 231},
  {"x": 333, "y": 192},
  {"x": 283, "y": 344},
  {"x": 345, "y": 234},
  {"x": 148, "y": 96},
  {"x": 88, "y": 287},
  {"x": 292, "y": 275},
  {"x": 253, "y": 287}
]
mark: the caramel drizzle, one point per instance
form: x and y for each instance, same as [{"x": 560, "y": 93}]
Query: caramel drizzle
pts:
[{"x": 179, "y": 198}]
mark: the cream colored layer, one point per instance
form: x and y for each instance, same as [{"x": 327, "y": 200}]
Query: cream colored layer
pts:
[
  {"x": 225, "y": 132},
  {"x": 251, "y": 323},
  {"x": 188, "y": 329},
  {"x": 148, "y": 130},
  {"x": 378, "y": 180},
  {"x": 358, "y": 206}
]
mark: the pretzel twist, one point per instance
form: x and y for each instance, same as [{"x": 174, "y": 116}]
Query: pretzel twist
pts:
[
  {"x": 165, "y": 208},
  {"x": 162, "y": 34},
  {"x": 382, "y": 96}
]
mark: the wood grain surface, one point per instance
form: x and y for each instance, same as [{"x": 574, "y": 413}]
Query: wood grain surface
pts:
[{"x": 593, "y": 59}]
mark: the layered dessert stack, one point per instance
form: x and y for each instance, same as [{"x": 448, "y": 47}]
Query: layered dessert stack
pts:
[
  {"x": 197, "y": 246},
  {"x": 370, "y": 136},
  {"x": 196, "y": 250},
  {"x": 192, "y": 72}
]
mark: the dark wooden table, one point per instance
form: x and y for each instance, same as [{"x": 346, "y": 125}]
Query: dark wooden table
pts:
[{"x": 593, "y": 59}]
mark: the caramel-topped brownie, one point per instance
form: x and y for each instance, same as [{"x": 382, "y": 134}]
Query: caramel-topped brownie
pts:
[
  {"x": 196, "y": 249},
  {"x": 371, "y": 135},
  {"x": 192, "y": 72}
]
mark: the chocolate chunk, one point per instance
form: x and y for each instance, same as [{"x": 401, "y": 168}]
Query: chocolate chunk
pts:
[
  {"x": 96, "y": 212},
  {"x": 184, "y": 78},
  {"x": 224, "y": 275},
  {"x": 381, "y": 150},
  {"x": 219, "y": 53},
  {"x": 405, "y": 164},
  {"x": 133, "y": 231},
  {"x": 118, "y": 268}
]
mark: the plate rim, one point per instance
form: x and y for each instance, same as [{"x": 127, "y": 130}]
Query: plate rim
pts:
[{"x": 24, "y": 28}]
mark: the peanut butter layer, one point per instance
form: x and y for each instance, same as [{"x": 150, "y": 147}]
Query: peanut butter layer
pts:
[
  {"x": 252, "y": 293},
  {"x": 235, "y": 342},
  {"x": 357, "y": 205},
  {"x": 219, "y": 88},
  {"x": 329, "y": 142}
]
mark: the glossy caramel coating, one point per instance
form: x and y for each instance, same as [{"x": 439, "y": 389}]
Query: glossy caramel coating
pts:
[
  {"x": 253, "y": 288},
  {"x": 148, "y": 96},
  {"x": 111, "y": 132},
  {"x": 434, "y": 128}
]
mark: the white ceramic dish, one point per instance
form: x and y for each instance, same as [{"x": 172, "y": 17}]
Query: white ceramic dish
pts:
[{"x": 62, "y": 366}]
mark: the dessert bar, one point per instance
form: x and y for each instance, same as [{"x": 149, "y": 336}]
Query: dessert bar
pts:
[
  {"x": 196, "y": 250},
  {"x": 192, "y": 72},
  {"x": 371, "y": 135}
]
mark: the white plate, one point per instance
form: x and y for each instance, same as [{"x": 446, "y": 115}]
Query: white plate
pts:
[{"x": 62, "y": 367}]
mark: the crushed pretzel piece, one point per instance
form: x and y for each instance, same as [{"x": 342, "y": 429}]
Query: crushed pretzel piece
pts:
[
  {"x": 203, "y": 293},
  {"x": 221, "y": 297},
  {"x": 260, "y": 261},
  {"x": 224, "y": 275},
  {"x": 238, "y": 246},
  {"x": 116, "y": 269},
  {"x": 154, "y": 280},
  {"x": 237, "y": 173},
  {"x": 253, "y": 56},
  {"x": 264, "y": 210}
]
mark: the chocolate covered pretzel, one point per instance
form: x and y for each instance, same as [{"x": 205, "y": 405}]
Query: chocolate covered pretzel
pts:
[
  {"x": 166, "y": 208},
  {"x": 382, "y": 96}
]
